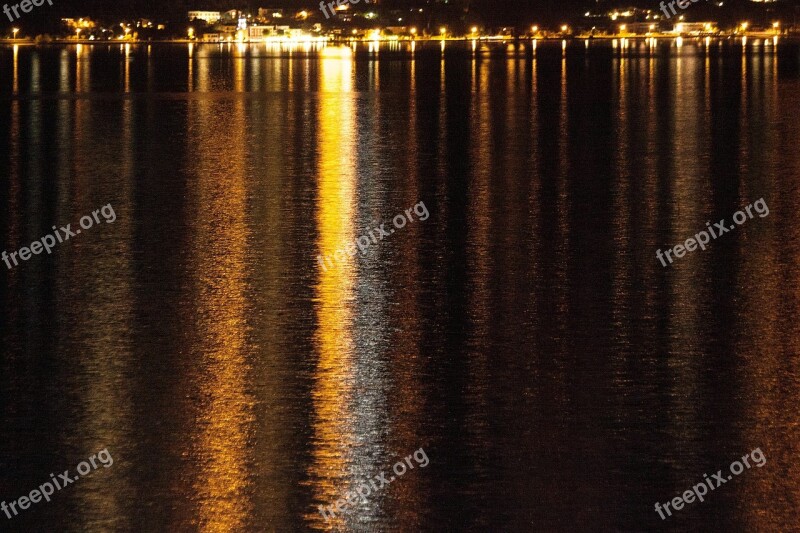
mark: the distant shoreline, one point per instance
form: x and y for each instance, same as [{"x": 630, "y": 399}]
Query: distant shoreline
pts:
[{"x": 577, "y": 37}]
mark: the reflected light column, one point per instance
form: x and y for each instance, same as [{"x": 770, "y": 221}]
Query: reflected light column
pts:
[
  {"x": 16, "y": 68},
  {"x": 220, "y": 444},
  {"x": 333, "y": 385}
]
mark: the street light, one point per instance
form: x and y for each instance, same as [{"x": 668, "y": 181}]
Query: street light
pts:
[
  {"x": 15, "y": 31},
  {"x": 191, "y": 33},
  {"x": 564, "y": 28},
  {"x": 474, "y": 30},
  {"x": 534, "y": 29},
  {"x": 443, "y": 31}
]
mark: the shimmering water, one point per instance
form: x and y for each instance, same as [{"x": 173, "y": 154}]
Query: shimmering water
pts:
[{"x": 525, "y": 335}]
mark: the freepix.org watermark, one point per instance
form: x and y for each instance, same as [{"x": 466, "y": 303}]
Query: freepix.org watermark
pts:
[
  {"x": 683, "y": 4},
  {"x": 49, "y": 488},
  {"x": 48, "y": 242},
  {"x": 715, "y": 481},
  {"x": 374, "y": 235},
  {"x": 26, "y": 6},
  {"x": 720, "y": 228},
  {"x": 367, "y": 488},
  {"x": 338, "y": 3}
]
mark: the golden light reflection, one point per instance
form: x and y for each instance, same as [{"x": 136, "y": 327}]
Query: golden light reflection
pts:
[
  {"x": 219, "y": 239},
  {"x": 82, "y": 107},
  {"x": 82, "y": 69},
  {"x": 15, "y": 171},
  {"x": 337, "y": 52},
  {"x": 105, "y": 303},
  {"x": 407, "y": 406},
  {"x": 16, "y": 69},
  {"x": 190, "y": 78},
  {"x": 333, "y": 387},
  {"x": 764, "y": 340},
  {"x": 98, "y": 303},
  {"x": 688, "y": 192},
  {"x": 563, "y": 196},
  {"x": 623, "y": 169},
  {"x": 127, "y": 67}
]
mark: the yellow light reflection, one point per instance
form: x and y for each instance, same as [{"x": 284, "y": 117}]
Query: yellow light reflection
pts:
[
  {"x": 219, "y": 242},
  {"x": 190, "y": 78},
  {"x": 127, "y": 67},
  {"x": 16, "y": 69},
  {"x": 337, "y": 201},
  {"x": 337, "y": 52},
  {"x": 14, "y": 202}
]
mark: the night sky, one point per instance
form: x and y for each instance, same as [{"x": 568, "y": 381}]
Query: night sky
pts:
[
  {"x": 495, "y": 13},
  {"x": 499, "y": 11}
]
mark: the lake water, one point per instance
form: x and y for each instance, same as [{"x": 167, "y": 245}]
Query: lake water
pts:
[{"x": 524, "y": 335}]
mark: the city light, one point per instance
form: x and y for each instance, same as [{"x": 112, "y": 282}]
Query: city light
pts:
[
  {"x": 628, "y": 23},
  {"x": 15, "y": 31},
  {"x": 337, "y": 52}
]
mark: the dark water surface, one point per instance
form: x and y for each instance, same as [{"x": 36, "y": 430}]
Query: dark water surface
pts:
[{"x": 525, "y": 335}]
